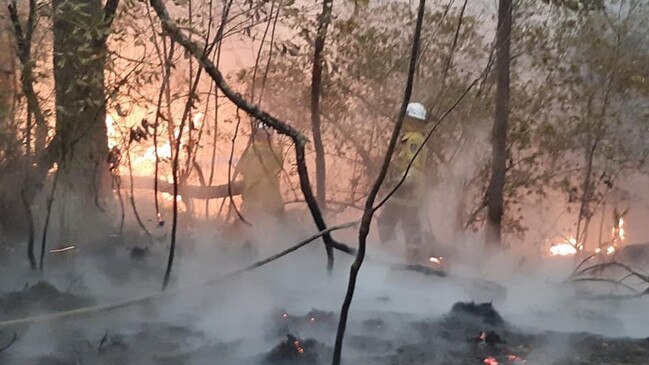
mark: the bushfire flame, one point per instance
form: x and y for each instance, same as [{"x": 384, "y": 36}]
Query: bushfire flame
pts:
[
  {"x": 609, "y": 250},
  {"x": 111, "y": 132},
  {"x": 490, "y": 361},
  {"x": 197, "y": 119},
  {"x": 164, "y": 152},
  {"x": 568, "y": 248},
  {"x": 618, "y": 232}
]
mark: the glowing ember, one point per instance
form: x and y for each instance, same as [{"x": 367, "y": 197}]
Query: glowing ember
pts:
[
  {"x": 436, "y": 260},
  {"x": 490, "y": 361},
  {"x": 483, "y": 336},
  {"x": 284, "y": 315},
  {"x": 515, "y": 358},
  {"x": 298, "y": 347}
]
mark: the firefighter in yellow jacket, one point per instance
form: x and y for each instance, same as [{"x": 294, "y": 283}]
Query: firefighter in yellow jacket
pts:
[
  {"x": 404, "y": 207},
  {"x": 261, "y": 167}
]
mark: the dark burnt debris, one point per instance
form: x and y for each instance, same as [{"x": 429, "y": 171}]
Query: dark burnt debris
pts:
[
  {"x": 139, "y": 253},
  {"x": 294, "y": 351},
  {"x": 425, "y": 270},
  {"x": 483, "y": 312},
  {"x": 41, "y": 297},
  {"x": 315, "y": 319},
  {"x": 374, "y": 324},
  {"x": 490, "y": 338}
]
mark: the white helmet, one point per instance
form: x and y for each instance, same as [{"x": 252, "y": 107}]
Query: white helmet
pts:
[{"x": 416, "y": 111}]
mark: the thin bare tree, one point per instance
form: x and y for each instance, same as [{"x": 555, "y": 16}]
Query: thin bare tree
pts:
[
  {"x": 316, "y": 87},
  {"x": 369, "y": 209},
  {"x": 495, "y": 190}
]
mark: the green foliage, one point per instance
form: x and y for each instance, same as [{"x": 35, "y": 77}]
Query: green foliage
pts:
[
  {"x": 366, "y": 59},
  {"x": 578, "y": 80}
]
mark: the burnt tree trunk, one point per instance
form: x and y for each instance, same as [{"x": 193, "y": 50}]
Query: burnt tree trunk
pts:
[
  {"x": 316, "y": 86},
  {"x": 495, "y": 190},
  {"x": 9, "y": 147},
  {"x": 6, "y": 72},
  {"x": 80, "y": 31}
]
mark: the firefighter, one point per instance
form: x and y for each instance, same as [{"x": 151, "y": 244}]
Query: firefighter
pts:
[
  {"x": 261, "y": 167},
  {"x": 403, "y": 208}
]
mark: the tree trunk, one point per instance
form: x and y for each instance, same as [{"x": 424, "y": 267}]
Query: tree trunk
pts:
[
  {"x": 6, "y": 71},
  {"x": 316, "y": 85},
  {"x": 79, "y": 62},
  {"x": 586, "y": 196},
  {"x": 495, "y": 191}
]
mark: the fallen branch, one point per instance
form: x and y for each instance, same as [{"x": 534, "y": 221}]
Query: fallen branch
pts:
[
  {"x": 617, "y": 296},
  {"x": 606, "y": 265},
  {"x": 582, "y": 263},
  {"x": 11, "y": 342},
  {"x": 578, "y": 276},
  {"x": 86, "y": 311},
  {"x": 102, "y": 342},
  {"x": 604, "y": 280}
]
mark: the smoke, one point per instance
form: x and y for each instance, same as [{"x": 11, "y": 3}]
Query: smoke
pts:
[{"x": 239, "y": 317}]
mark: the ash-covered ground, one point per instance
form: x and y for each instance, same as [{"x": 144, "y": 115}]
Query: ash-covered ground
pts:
[{"x": 287, "y": 312}]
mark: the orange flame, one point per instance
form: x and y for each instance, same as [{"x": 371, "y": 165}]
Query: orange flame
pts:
[
  {"x": 111, "y": 131},
  {"x": 298, "y": 347},
  {"x": 516, "y": 359},
  {"x": 197, "y": 119},
  {"x": 569, "y": 248}
]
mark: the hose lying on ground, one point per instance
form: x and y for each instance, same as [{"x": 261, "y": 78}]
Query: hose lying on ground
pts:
[{"x": 152, "y": 297}]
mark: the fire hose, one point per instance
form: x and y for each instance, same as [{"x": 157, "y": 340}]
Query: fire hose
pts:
[
  {"x": 80, "y": 312},
  {"x": 88, "y": 311}
]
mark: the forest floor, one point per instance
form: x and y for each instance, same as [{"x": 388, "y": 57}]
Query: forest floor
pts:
[{"x": 286, "y": 313}]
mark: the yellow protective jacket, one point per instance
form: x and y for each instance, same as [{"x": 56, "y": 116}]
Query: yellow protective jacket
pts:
[
  {"x": 412, "y": 190},
  {"x": 261, "y": 167}
]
